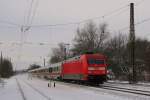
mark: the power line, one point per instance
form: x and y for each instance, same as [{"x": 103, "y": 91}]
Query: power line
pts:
[
  {"x": 138, "y": 23},
  {"x": 29, "y": 12},
  {"x": 143, "y": 21},
  {"x": 94, "y": 18},
  {"x": 83, "y": 21},
  {"x": 139, "y": 2},
  {"x": 30, "y": 18},
  {"x": 119, "y": 13},
  {"x": 27, "y": 23},
  {"x": 8, "y": 27},
  {"x": 34, "y": 11},
  {"x": 26, "y": 43},
  {"x": 9, "y": 23}
]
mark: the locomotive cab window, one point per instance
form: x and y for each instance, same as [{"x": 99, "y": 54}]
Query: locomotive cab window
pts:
[{"x": 95, "y": 61}]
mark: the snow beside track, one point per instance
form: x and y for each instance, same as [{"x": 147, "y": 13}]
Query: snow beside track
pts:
[
  {"x": 37, "y": 89},
  {"x": 138, "y": 86},
  {"x": 10, "y": 90}
]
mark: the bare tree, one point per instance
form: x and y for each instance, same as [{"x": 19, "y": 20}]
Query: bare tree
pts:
[
  {"x": 90, "y": 37},
  {"x": 116, "y": 50},
  {"x": 142, "y": 57},
  {"x": 33, "y": 66},
  {"x": 102, "y": 35},
  {"x": 58, "y": 54}
]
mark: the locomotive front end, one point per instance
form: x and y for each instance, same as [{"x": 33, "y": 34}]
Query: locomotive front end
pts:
[{"x": 97, "y": 68}]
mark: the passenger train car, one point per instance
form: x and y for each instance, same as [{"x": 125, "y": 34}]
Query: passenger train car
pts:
[{"x": 90, "y": 68}]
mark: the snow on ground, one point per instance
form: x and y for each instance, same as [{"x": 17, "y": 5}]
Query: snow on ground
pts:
[
  {"x": 37, "y": 89},
  {"x": 9, "y": 90},
  {"x": 139, "y": 83}
]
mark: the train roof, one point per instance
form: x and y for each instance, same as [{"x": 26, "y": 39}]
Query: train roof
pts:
[
  {"x": 56, "y": 64},
  {"x": 38, "y": 69},
  {"x": 46, "y": 67}
]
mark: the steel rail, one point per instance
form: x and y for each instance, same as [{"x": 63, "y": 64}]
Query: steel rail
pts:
[
  {"x": 134, "y": 91},
  {"x": 35, "y": 89},
  {"x": 138, "y": 84},
  {"x": 20, "y": 89}
]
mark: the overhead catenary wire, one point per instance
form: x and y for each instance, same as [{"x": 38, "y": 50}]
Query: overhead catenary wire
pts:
[
  {"x": 138, "y": 23},
  {"x": 27, "y": 18},
  {"x": 24, "y": 28},
  {"x": 34, "y": 12},
  {"x": 120, "y": 12},
  {"x": 9, "y": 23},
  {"x": 139, "y": 2},
  {"x": 121, "y": 9},
  {"x": 30, "y": 20},
  {"x": 83, "y": 21},
  {"x": 26, "y": 43},
  {"x": 29, "y": 13},
  {"x": 30, "y": 17}
]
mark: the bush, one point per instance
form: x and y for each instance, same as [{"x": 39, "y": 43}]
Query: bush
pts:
[{"x": 6, "y": 68}]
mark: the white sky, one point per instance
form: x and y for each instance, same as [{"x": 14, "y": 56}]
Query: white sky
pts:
[{"x": 50, "y": 12}]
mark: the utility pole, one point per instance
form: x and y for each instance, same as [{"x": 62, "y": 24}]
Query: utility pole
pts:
[
  {"x": 44, "y": 62},
  {"x": 65, "y": 50},
  {"x": 10, "y": 59},
  {"x": 1, "y": 61},
  {"x": 1, "y": 57},
  {"x": 132, "y": 45}
]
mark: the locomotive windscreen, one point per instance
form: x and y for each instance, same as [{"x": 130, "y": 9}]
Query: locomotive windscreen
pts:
[{"x": 95, "y": 61}]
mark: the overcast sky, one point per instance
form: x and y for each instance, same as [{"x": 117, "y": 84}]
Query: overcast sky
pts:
[{"x": 17, "y": 13}]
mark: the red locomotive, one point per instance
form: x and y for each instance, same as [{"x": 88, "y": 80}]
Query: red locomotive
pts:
[{"x": 91, "y": 68}]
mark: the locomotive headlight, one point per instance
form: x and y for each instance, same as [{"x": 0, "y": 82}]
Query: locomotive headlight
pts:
[
  {"x": 89, "y": 72},
  {"x": 101, "y": 68}
]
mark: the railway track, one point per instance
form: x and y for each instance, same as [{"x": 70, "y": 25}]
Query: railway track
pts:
[
  {"x": 40, "y": 92},
  {"x": 116, "y": 88},
  {"x": 128, "y": 90},
  {"x": 20, "y": 90},
  {"x": 138, "y": 84},
  {"x": 104, "y": 86},
  {"x": 32, "y": 87}
]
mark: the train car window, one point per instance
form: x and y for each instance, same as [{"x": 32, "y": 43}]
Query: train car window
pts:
[
  {"x": 50, "y": 70},
  {"x": 95, "y": 61}
]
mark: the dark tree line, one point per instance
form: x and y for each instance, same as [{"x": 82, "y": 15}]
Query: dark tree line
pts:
[
  {"x": 116, "y": 51},
  {"x": 97, "y": 38},
  {"x": 33, "y": 66},
  {"x": 6, "y": 68}
]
